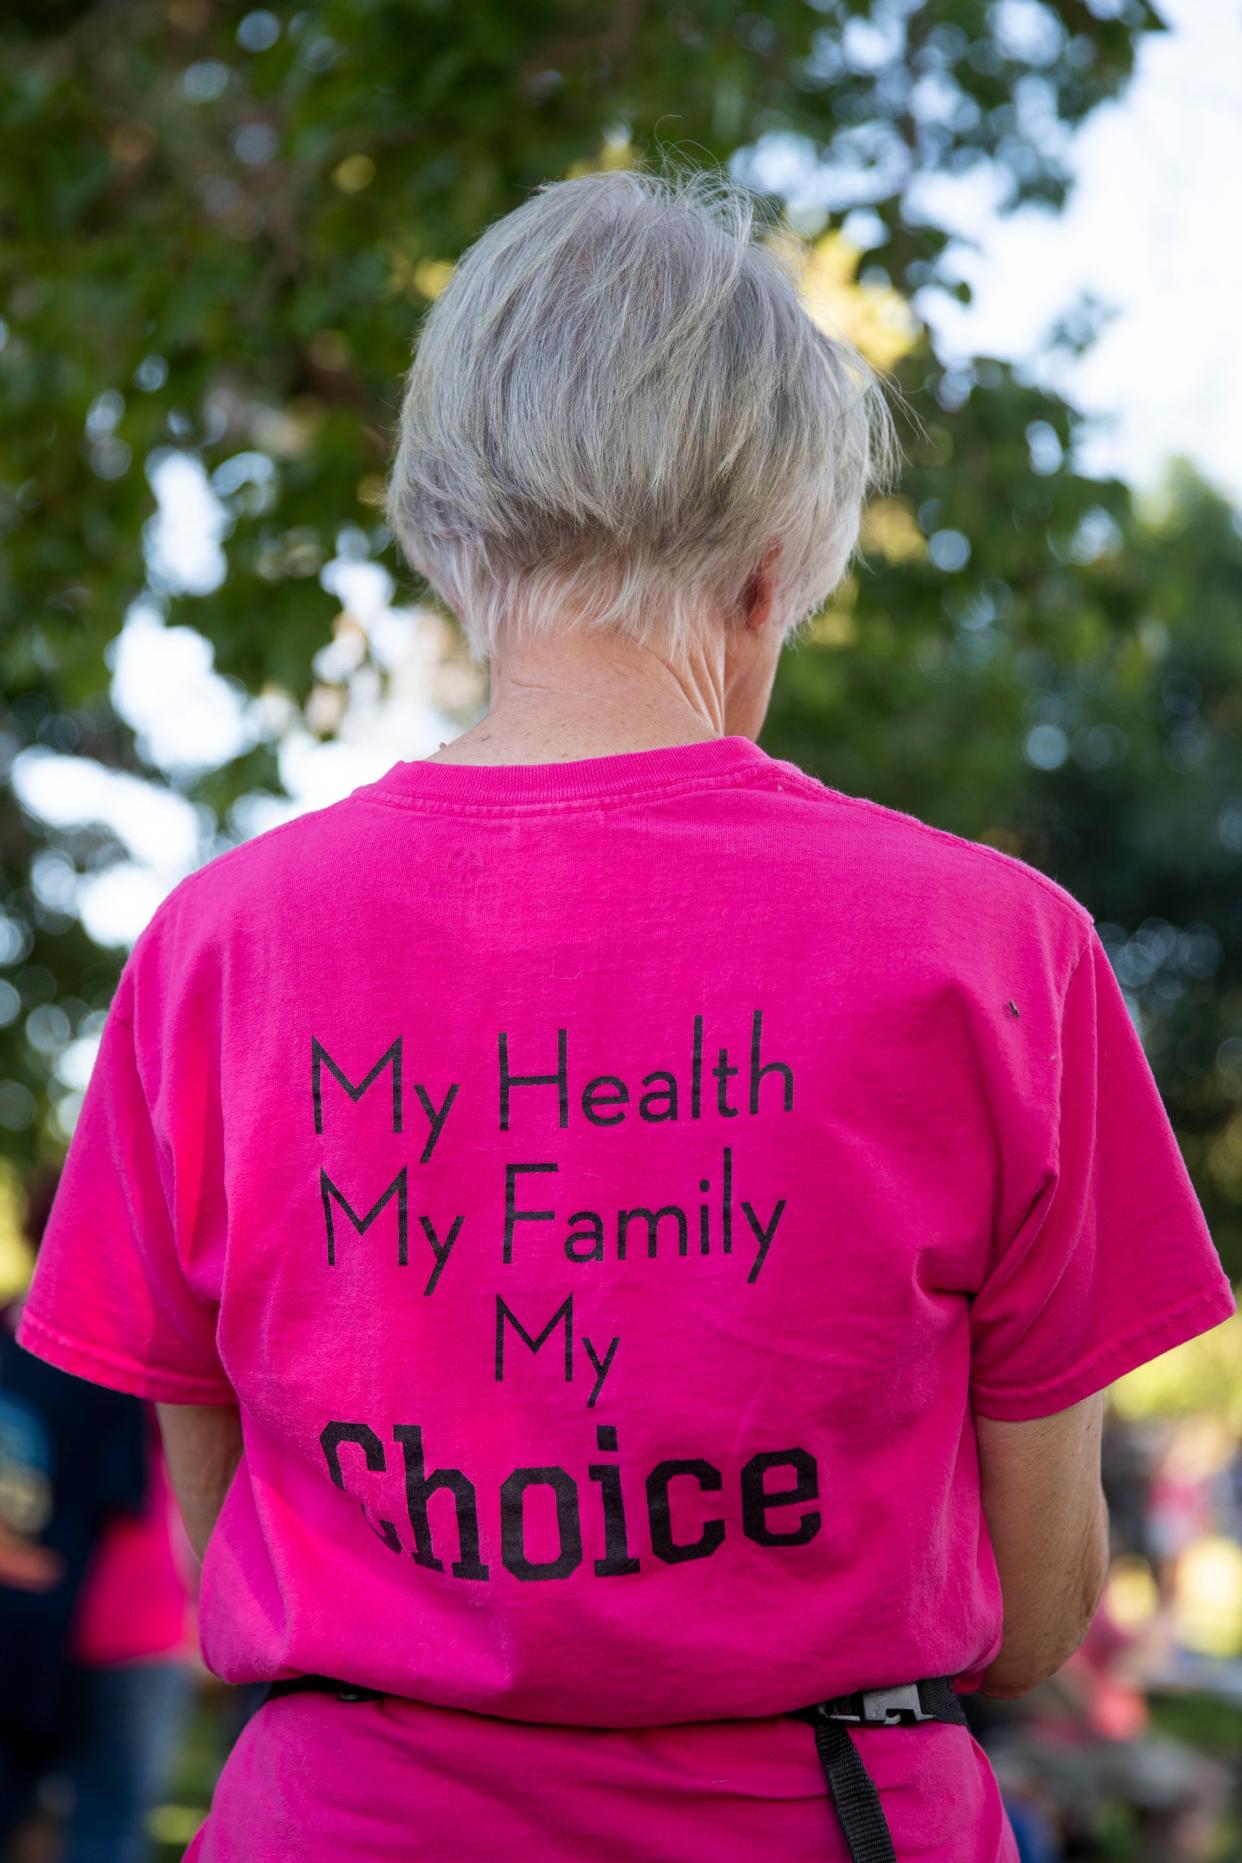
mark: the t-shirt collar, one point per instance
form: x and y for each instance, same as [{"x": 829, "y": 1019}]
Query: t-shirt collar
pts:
[{"x": 621, "y": 773}]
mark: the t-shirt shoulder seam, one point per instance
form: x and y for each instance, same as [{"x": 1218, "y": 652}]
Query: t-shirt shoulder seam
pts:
[
  {"x": 1080, "y": 913},
  {"x": 1074, "y": 968},
  {"x": 202, "y": 873}
]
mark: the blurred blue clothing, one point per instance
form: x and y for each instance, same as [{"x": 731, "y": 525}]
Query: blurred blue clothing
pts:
[
  {"x": 134, "y": 1716},
  {"x": 1037, "y": 1840},
  {"x": 71, "y": 1455}
]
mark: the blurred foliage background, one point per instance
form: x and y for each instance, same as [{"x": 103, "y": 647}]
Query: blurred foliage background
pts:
[{"x": 219, "y": 227}]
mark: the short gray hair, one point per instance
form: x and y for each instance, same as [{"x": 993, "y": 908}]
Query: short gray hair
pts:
[{"x": 616, "y": 405}]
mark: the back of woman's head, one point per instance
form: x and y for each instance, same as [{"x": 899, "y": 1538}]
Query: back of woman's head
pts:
[{"x": 617, "y": 406}]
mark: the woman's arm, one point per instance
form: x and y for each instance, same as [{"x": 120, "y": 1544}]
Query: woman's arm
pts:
[
  {"x": 202, "y": 1446},
  {"x": 1048, "y": 1522}
]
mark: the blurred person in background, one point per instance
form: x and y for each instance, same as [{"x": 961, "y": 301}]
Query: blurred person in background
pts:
[
  {"x": 1180, "y": 1496},
  {"x": 135, "y": 1644},
  {"x": 677, "y": 1525},
  {"x": 1125, "y": 1470},
  {"x": 73, "y": 1458},
  {"x": 107, "y": 1653},
  {"x": 1081, "y": 1748}
]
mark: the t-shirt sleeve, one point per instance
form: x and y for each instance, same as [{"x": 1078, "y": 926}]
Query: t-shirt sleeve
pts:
[
  {"x": 1113, "y": 1263},
  {"x": 110, "y": 1299}
]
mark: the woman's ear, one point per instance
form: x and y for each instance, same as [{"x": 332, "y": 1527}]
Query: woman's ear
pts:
[{"x": 759, "y": 593}]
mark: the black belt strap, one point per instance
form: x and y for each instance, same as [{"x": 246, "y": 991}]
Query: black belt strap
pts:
[
  {"x": 322, "y": 1685},
  {"x": 857, "y": 1802},
  {"x": 852, "y": 1788}
]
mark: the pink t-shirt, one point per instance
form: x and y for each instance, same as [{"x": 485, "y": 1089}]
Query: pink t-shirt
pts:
[{"x": 606, "y": 1187}]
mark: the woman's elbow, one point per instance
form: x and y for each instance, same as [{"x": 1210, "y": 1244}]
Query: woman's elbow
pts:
[{"x": 1064, "y": 1624}]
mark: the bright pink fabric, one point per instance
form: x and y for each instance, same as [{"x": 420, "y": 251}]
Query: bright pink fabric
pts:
[
  {"x": 135, "y": 1605},
  {"x": 899, "y": 1149},
  {"x": 321, "y": 1781}
]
